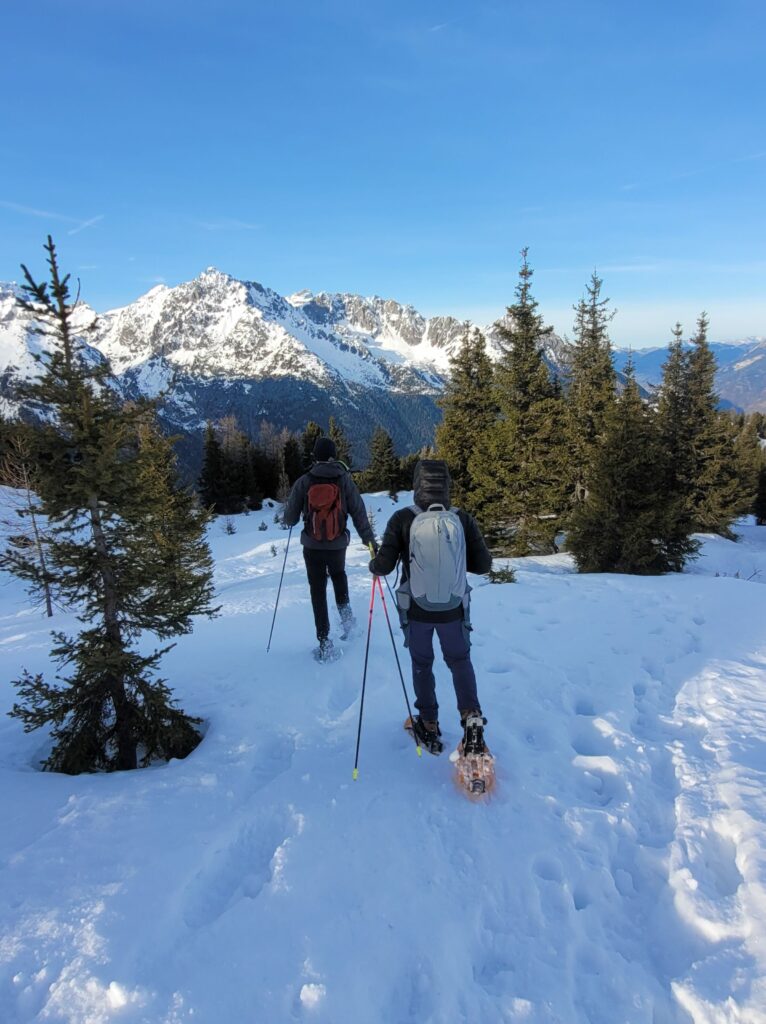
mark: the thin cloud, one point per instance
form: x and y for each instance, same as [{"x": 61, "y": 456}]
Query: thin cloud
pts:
[
  {"x": 86, "y": 224},
  {"x": 227, "y": 224},
  {"x": 32, "y": 211},
  {"x": 64, "y": 218}
]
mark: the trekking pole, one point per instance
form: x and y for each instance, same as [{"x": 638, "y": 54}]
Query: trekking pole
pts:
[
  {"x": 355, "y": 773},
  {"x": 279, "y": 590},
  {"x": 396, "y": 655}
]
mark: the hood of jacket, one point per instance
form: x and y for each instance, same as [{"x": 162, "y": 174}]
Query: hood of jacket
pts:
[{"x": 432, "y": 483}]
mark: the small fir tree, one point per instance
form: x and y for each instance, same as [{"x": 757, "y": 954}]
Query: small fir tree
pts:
[
  {"x": 469, "y": 412},
  {"x": 625, "y": 524},
  {"x": 126, "y": 549},
  {"x": 382, "y": 474},
  {"x": 518, "y": 468},
  {"x": 677, "y": 429},
  {"x": 716, "y": 499},
  {"x": 592, "y": 381},
  {"x": 759, "y": 507},
  {"x": 309, "y": 438},
  {"x": 211, "y": 477},
  {"x": 292, "y": 460},
  {"x": 342, "y": 444}
]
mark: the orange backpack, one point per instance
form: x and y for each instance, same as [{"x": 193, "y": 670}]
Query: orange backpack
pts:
[{"x": 325, "y": 519}]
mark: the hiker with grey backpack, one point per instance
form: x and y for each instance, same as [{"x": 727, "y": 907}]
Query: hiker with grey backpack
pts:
[
  {"x": 325, "y": 497},
  {"x": 437, "y": 545}
]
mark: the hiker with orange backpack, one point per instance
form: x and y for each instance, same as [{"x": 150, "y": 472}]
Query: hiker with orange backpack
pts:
[{"x": 326, "y": 496}]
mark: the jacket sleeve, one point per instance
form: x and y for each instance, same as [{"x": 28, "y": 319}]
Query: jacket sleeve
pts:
[
  {"x": 478, "y": 558},
  {"x": 357, "y": 511},
  {"x": 294, "y": 505},
  {"x": 392, "y": 546}
]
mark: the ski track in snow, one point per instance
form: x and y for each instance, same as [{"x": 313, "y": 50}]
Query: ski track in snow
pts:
[{"x": 616, "y": 875}]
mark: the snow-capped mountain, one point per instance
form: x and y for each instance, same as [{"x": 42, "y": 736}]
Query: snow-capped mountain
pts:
[
  {"x": 219, "y": 346},
  {"x": 741, "y": 375}
]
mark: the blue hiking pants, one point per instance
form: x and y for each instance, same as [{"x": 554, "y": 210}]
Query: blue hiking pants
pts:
[{"x": 457, "y": 654}]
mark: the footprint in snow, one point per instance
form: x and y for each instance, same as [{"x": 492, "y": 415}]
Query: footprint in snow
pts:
[{"x": 241, "y": 868}]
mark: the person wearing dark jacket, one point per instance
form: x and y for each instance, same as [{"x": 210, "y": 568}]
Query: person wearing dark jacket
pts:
[
  {"x": 323, "y": 557},
  {"x": 432, "y": 487}
]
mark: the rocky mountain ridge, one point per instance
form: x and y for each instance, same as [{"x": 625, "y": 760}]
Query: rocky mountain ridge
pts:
[{"x": 219, "y": 346}]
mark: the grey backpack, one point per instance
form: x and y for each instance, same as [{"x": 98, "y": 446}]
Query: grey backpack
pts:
[{"x": 437, "y": 580}]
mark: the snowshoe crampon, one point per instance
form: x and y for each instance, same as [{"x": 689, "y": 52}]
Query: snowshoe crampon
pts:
[
  {"x": 427, "y": 738},
  {"x": 474, "y": 764},
  {"x": 474, "y": 773}
]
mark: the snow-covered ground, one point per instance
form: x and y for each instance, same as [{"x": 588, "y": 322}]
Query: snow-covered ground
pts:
[{"x": 617, "y": 874}]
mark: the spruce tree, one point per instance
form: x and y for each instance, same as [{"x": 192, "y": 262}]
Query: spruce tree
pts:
[
  {"x": 749, "y": 461},
  {"x": 592, "y": 382},
  {"x": 382, "y": 474},
  {"x": 677, "y": 430},
  {"x": 625, "y": 524},
  {"x": 126, "y": 549},
  {"x": 292, "y": 459},
  {"x": 518, "y": 469},
  {"x": 759, "y": 506},
  {"x": 716, "y": 499},
  {"x": 211, "y": 477},
  {"x": 342, "y": 444},
  {"x": 469, "y": 412},
  {"x": 309, "y": 438}
]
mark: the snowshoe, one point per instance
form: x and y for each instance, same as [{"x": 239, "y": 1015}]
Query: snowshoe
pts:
[
  {"x": 474, "y": 764},
  {"x": 428, "y": 738},
  {"x": 326, "y": 651}
]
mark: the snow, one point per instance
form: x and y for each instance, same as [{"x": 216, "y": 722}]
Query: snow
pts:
[{"x": 617, "y": 875}]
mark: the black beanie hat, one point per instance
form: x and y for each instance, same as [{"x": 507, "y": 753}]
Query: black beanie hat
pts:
[{"x": 324, "y": 449}]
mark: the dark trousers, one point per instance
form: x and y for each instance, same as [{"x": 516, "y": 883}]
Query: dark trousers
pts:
[
  {"x": 457, "y": 653},
  {"x": 319, "y": 565}
]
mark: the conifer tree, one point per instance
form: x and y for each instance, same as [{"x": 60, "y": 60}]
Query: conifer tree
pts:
[
  {"x": 126, "y": 549},
  {"x": 592, "y": 384},
  {"x": 211, "y": 477},
  {"x": 624, "y": 524},
  {"x": 308, "y": 439},
  {"x": 759, "y": 506},
  {"x": 342, "y": 444},
  {"x": 469, "y": 412},
  {"x": 716, "y": 499},
  {"x": 677, "y": 430},
  {"x": 518, "y": 468},
  {"x": 292, "y": 459},
  {"x": 382, "y": 474},
  {"x": 749, "y": 460}
]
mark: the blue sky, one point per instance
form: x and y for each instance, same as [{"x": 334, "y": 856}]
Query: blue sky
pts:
[{"x": 402, "y": 149}]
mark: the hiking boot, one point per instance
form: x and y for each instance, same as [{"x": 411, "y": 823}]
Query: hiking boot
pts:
[
  {"x": 347, "y": 621},
  {"x": 428, "y": 734},
  {"x": 326, "y": 650},
  {"x": 473, "y": 732}
]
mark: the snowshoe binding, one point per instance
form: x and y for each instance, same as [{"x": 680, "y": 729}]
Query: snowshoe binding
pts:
[
  {"x": 474, "y": 765},
  {"x": 326, "y": 651},
  {"x": 427, "y": 734}
]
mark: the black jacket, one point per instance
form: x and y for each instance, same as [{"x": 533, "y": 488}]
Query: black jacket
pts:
[
  {"x": 297, "y": 504},
  {"x": 396, "y": 545}
]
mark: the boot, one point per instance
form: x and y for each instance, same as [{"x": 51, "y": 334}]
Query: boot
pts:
[
  {"x": 473, "y": 723},
  {"x": 326, "y": 650},
  {"x": 428, "y": 734},
  {"x": 347, "y": 621}
]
